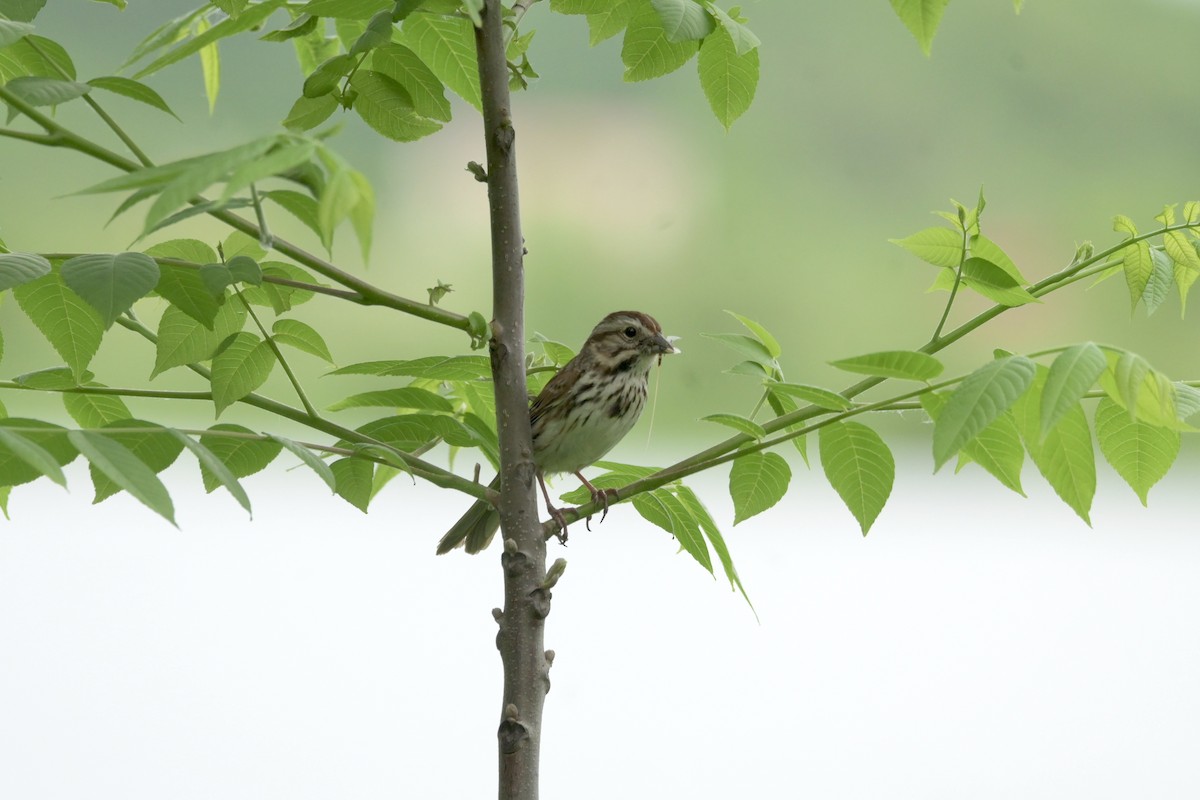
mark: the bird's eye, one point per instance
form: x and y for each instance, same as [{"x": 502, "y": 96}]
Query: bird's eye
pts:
[{"x": 630, "y": 332}]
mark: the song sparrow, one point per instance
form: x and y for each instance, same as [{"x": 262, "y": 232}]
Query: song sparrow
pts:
[{"x": 581, "y": 414}]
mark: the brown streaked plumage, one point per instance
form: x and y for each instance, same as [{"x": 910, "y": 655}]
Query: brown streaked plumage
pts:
[{"x": 581, "y": 414}]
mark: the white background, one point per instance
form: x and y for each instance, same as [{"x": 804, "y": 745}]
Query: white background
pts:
[{"x": 974, "y": 645}]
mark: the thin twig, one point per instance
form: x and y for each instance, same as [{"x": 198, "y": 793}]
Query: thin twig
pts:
[
  {"x": 274, "y": 345},
  {"x": 59, "y": 136}
]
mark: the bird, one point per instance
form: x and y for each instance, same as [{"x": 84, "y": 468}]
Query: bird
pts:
[{"x": 582, "y": 412}]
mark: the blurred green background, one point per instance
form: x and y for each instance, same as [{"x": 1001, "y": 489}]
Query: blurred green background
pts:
[{"x": 633, "y": 196}]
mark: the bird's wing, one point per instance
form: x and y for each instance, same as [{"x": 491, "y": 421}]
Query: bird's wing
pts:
[{"x": 556, "y": 390}]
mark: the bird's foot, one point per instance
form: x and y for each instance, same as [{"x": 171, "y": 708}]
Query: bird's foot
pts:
[{"x": 557, "y": 515}]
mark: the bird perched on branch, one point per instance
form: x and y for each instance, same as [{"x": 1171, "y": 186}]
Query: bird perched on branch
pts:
[{"x": 581, "y": 414}]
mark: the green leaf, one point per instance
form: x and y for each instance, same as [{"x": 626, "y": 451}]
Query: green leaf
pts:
[
  {"x": 95, "y": 410},
  {"x": 14, "y": 469},
  {"x": 310, "y": 459},
  {"x": 406, "y": 68},
  {"x": 303, "y": 25},
  {"x": 683, "y": 19},
  {"x": 1187, "y": 400},
  {"x": 980, "y": 399},
  {"x": 184, "y": 340},
  {"x": 35, "y": 55},
  {"x": 906, "y": 364},
  {"x": 154, "y": 447},
  {"x": 579, "y": 6},
  {"x": 783, "y": 404},
  {"x": 1160, "y": 282},
  {"x": 362, "y": 213},
  {"x": 21, "y": 10},
  {"x": 202, "y": 173},
  {"x": 647, "y": 52},
  {"x": 921, "y": 17},
  {"x": 125, "y": 469},
  {"x": 821, "y": 398},
  {"x": 134, "y": 90},
  {"x": 447, "y": 46},
  {"x": 757, "y": 481},
  {"x": 411, "y": 431},
  {"x": 663, "y": 509},
  {"x": 72, "y": 326},
  {"x": 1140, "y": 453},
  {"x": 729, "y": 79},
  {"x": 309, "y": 112},
  {"x": 339, "y": 196},
  {"x": 210, "y": 68},
  {"x": 345, "y": 9},
  {"x": 709, "y": 528},
  {"x": 34, "y": 455},
  {"x": 300, "y": 206},
  {"x": 278, "y": 161},
  {"x": 762, "y": 334},
  {"x": 985, "y": 248},
  {"x": 211, "y": 465},
  {"x": 53, "y": 379},
  {"x": 377, "y": 32},
  {"x": 1139, "y": 265},
  {"x": 326, "y": 77},
  {"x": 747, "y": 346},
  {"x": 38, "y": 91},
  {"x": 738, "y": 423},
  {"x": 609, "y": 21},
  {"x": 353, "y": 478},
  {"x": 387, "y": 107},
  {"x": 860, "y": 468},
  {"x": 251, "y": 18},
  {"x": 1072, "y": 374},
  {"x": 940, "y": 247},
  {"x": 743, "y": 38},
  {"x": 110, "y": 283},
  {"x": 997, "y": 448},
  {"x": 558, "y": 353},
  {"x": 12, "y": 31},
  {"x": 1140, "y": 389},
  {"x": 994, "y": 283},
  {"x": 241, "y": 456},
  {"x": 19, "y": 268},
  {"x": 408, "y": 397},
  {"x": 1063, "y": 454},
  {"x": 239, "y": 269},
  {"x": 441, "y": 368},
  {"x": 241, "y": 366},
  {"x": 183, "y": 287},
  {"x": 297, "y": 334}
]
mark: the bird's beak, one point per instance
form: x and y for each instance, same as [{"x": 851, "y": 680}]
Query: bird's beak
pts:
[{"x": 662, "y": 344}]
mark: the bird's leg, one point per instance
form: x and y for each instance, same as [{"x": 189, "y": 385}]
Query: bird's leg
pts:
[
  {"x": 554, "y": 512},
  {"x": 600, "y": 496}
]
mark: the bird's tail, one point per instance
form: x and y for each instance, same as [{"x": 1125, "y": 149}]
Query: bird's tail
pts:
[{"x": 474, "y": 529}]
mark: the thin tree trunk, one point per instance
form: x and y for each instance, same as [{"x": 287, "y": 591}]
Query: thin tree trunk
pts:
[{"x": 526, "y": 600}]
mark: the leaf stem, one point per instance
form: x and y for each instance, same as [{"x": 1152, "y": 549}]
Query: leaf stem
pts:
[
  {"x": 962, "y": 259},
  {"x": 100, "y": 112},
  {"x": 287, "y": 368}
]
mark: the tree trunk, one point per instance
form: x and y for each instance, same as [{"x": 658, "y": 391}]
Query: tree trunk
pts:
[{"x": 523, "y": 559}]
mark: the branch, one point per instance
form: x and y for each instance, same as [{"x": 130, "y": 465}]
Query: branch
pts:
[
  {"x": 526, "y": 597},
  {"x": 417, "y": 466},
  {"x": 739, "y": 444},
  {"x": 59, "y": 136}
]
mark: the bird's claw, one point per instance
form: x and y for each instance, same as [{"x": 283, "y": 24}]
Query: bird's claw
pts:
[{"x": 561, "y": 521}]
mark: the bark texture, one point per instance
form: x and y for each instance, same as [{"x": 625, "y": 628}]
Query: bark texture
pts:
[{"x": 523, "y": 557}]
